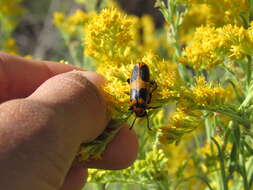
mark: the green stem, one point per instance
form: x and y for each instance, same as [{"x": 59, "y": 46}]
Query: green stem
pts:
[
  {"x": 243, "y": 166},
  {"x": 249, "y": 71},
  {"x": 248, "y": 98},
  {"x": 234, "y": 116},
  {"x": 222, "y": 165},
  {"x": 173, "y": 17},
  {"x": 237, "y": 93},
  {"x": 244, "y": 174},
  {"x": 250, "y": 2},
  {"x": 203, "y": 179},
  {"x": 98, "y": 5},
  {"x": 160, "y": 185},
  {"x": 240, "y": 162},
  {"x": 174, "y": 28},
  {"x": 73, "y": 55}
]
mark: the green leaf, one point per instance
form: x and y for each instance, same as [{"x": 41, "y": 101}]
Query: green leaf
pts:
[{"x": 233, "y": 159}]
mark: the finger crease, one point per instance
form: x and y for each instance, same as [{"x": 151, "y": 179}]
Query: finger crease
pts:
[
  {"x": 4, "y": 80},
  {"x": 47, "y": 69}
]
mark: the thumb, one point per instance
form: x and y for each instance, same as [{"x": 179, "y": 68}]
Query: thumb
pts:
[
  {"x": 44, "y": 131},
  {"x": 75, "y": 97}
]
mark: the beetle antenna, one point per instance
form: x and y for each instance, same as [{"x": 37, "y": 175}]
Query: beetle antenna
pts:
[{"x": 133, "y": 123}]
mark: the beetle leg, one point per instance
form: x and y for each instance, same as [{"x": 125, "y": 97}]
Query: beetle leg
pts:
[
  {"x": 133, "y": 123},
  {"x": 148, "y": 122},
  {"x": 150, "y": 96},
  {"x": 154, "y": 86},
  {"x": 154, "y": 107}
]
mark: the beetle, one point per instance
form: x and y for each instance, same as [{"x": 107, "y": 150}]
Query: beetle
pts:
[{"x": 141, "y": 89}]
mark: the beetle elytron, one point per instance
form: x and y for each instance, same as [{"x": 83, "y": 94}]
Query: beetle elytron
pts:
[{"x": 141, "y": 89}]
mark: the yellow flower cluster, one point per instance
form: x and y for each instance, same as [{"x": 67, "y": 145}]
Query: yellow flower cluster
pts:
[
  {"x": 211, "y": 46},
  {"x": 116, "y": 88},
  {"x": 166, "y": 76},
  {"x": 186, "y": 118},
  {"x": 205, "y": 95},
  {"x": 117, "y": 68},
  {"x": 109, "y": 37},
  {"x": 117, "y": 42},
  {"x": 10, "y": 46},
  {"x": 241, "y": 41},
  {"x": 112, "y": 36},
  {"x": 196, "y": 16},
  {"x": 10, "y": 13},
  {"x": 210, "y": 150},
  {"x": 180, "y": 123},
  {"x": 223, "y": 11},
  {"x": 202, "y": 95},
  {"x": 10, "y": 10},
  {"x": 180, "y": 162},
  {"x": 164, "y": 73},
  {"x": 145, "y": 34},
  {"x": 204, "y": 51},
  {"x": 138, "y": 173},
  {"x": 73, "y": 24}
]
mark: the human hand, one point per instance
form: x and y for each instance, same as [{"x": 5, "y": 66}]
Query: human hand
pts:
[{"x": 44, "y": 117}]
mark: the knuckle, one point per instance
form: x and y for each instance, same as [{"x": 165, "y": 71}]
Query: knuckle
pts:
[{"x": 77, "y": 99}]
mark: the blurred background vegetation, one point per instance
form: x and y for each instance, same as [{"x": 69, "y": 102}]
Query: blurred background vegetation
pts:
[{"x": 35, "y": 34}]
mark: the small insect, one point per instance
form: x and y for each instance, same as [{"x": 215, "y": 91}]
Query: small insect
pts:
[{"x": 141, "y": 89}]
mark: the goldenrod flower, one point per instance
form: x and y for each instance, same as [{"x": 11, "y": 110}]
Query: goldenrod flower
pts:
[
  {"x": 108, "y": 36},
  {"x": 73, "y": 24},
  {"x": 10, "y": 46},
  {"x": 181, "y": 122},
  {"x": 206, "y": 49},
  {"x": 240, "y": 39},
  {"x": 211, "y": 46},
  {"x": 79, "y": 17},
  {"x": 164, "y": 73},
  {"x": 58, "y": 18},
  {"x": 166, "y": 76},
  {"x": 10, "y": 10},
  {"x": 210, "y": 152},
  {"x": 117, "y": 87},
  {"x": 138, "y": 173},
  {"x": 187, "y": 116},
  {"x": 223, "y": 11},
  {"x": 10, "y": 14},
  {"x": 205, "y": 94},
  {"x": 147, "y": 40},
  {"x": 197, "y": 15}
]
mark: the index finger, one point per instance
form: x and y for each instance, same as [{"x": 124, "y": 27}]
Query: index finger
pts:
[{"x": 20, "y": 77}]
